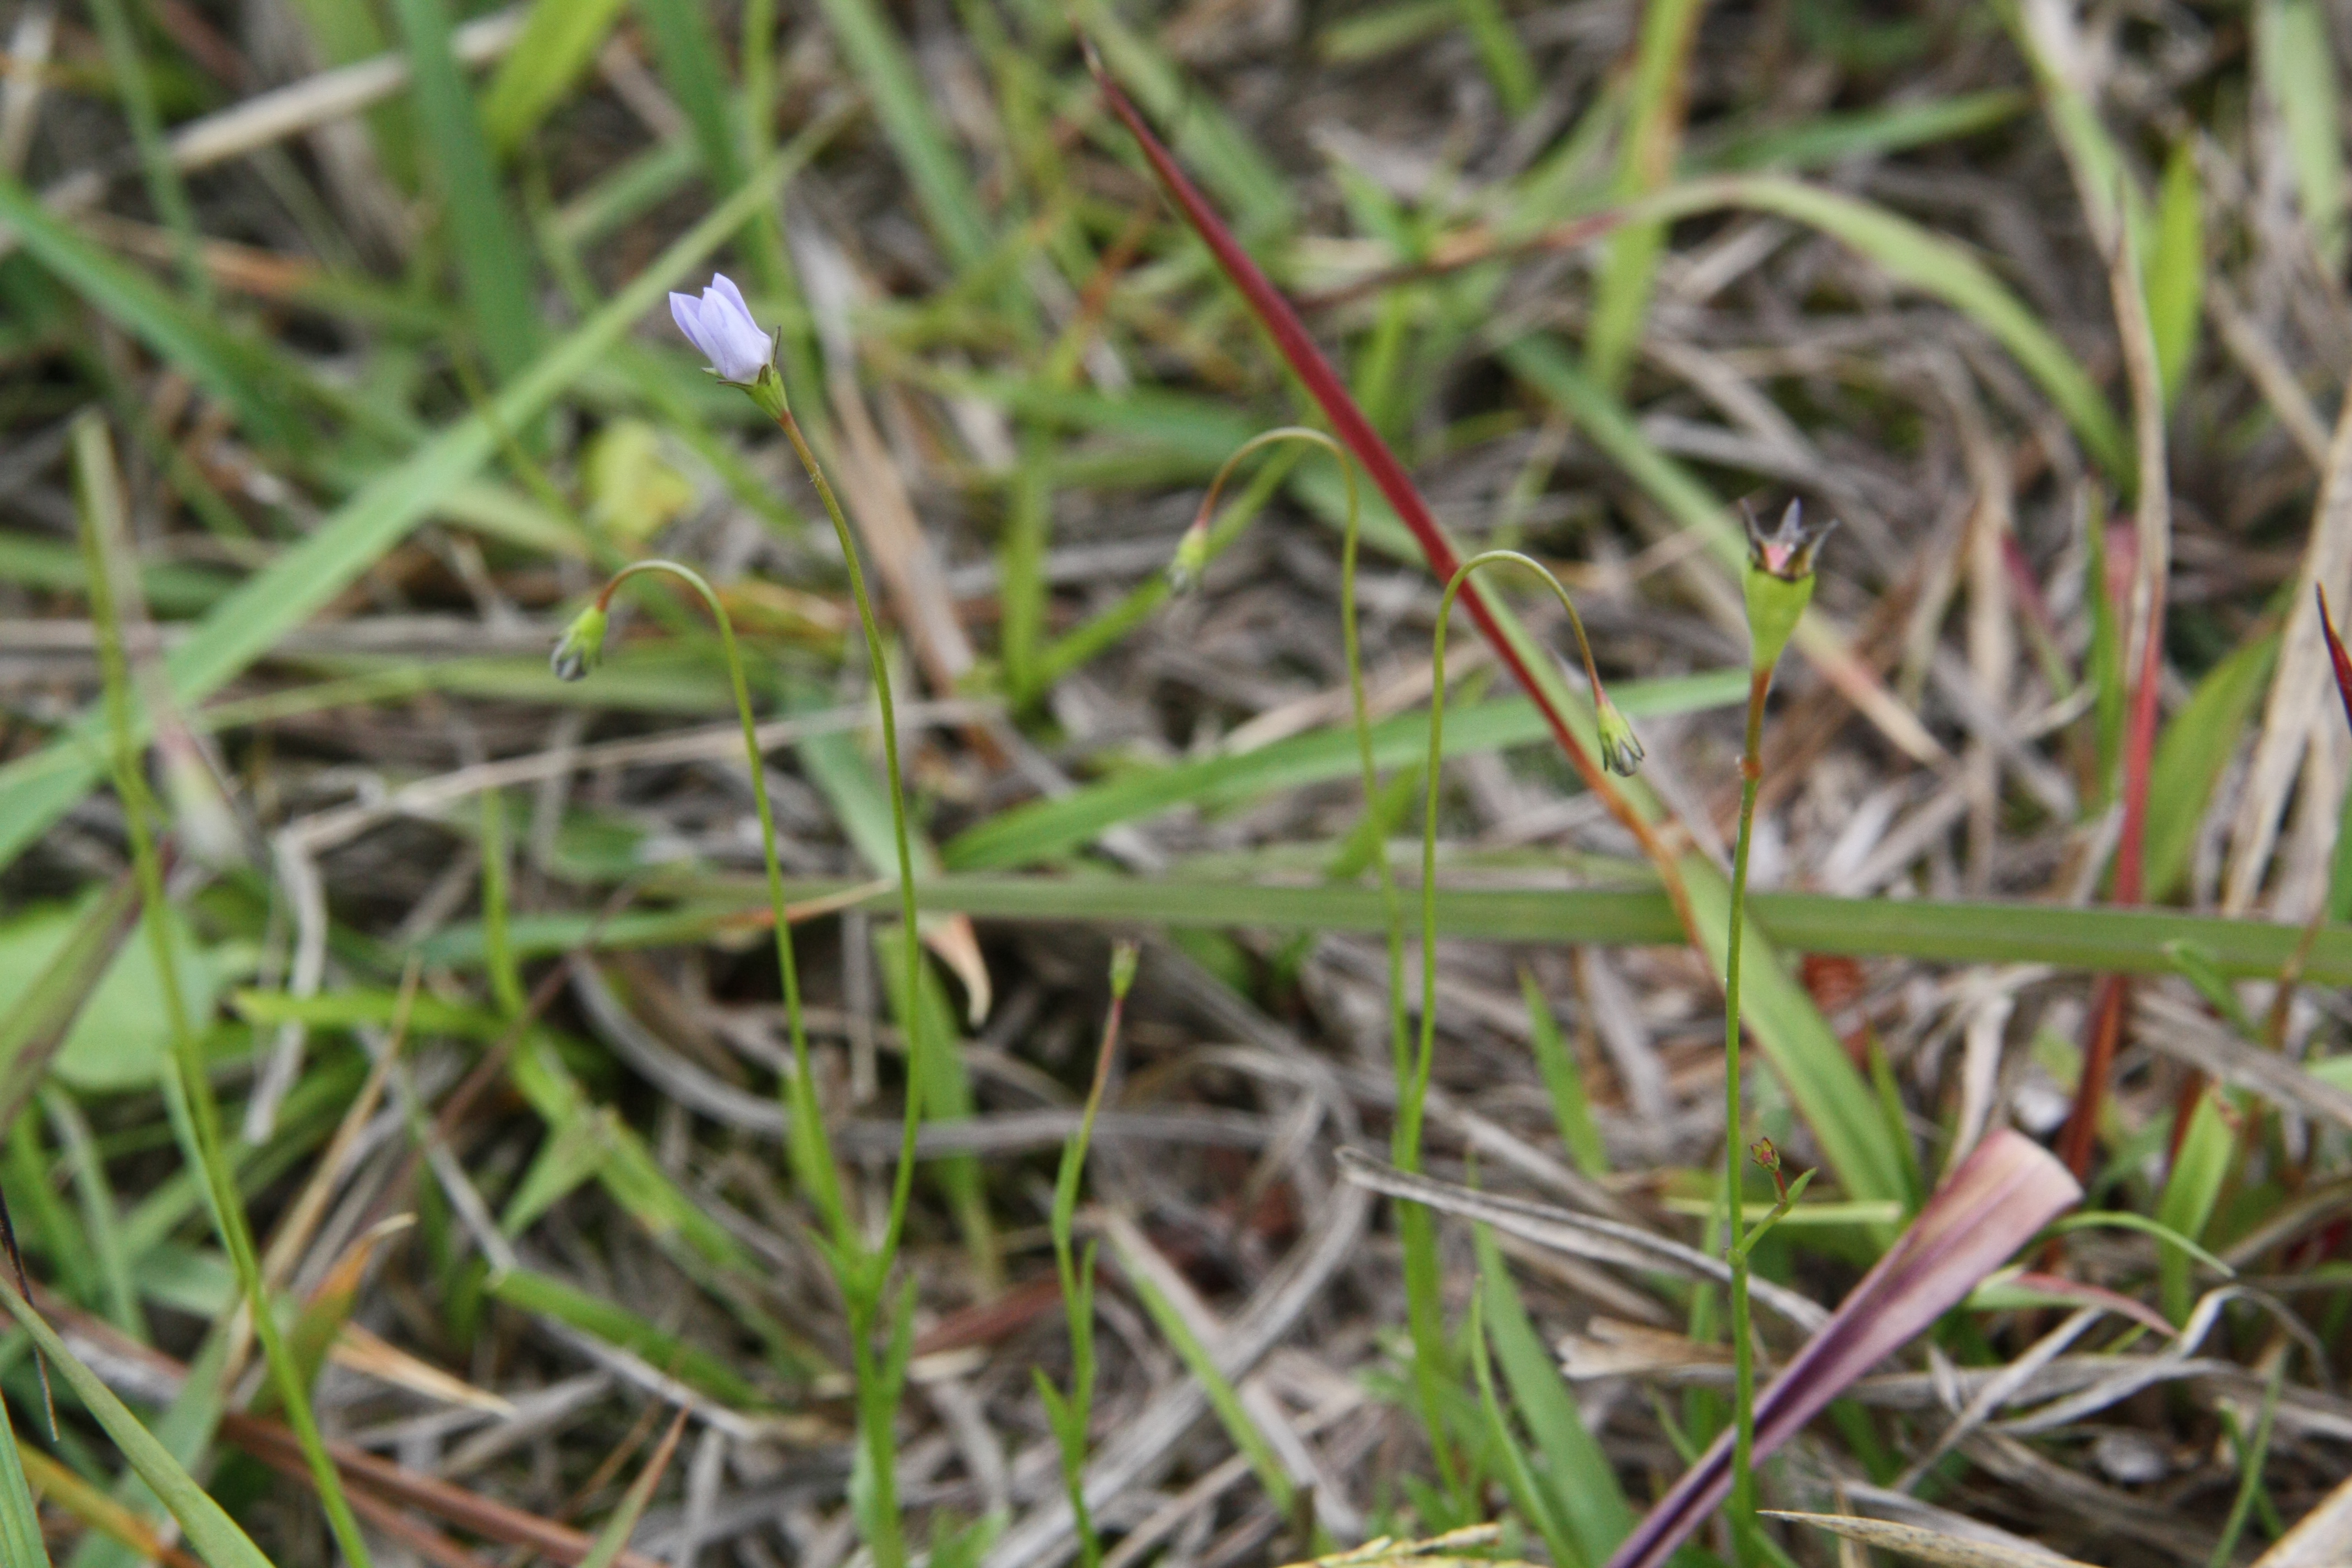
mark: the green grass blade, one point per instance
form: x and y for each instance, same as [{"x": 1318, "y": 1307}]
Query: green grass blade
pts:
[
  {"x": 128, "y": 66},
  {"x": 1502, "y": 53},
  {"x": 209, "y": 1529},
  {"x": 229, "y": 368},
  {"x": 2176, "y": 271},
  {"x": 943, "y": 188},
  {"x": 20, "y": 1520},
  {"x": 493, "y": 268},
  {"x": 2191, "y": 756},
  {"x": 2190, "y": 1191},
  {"x": 527, "y": 1292},
  {"x": 559, "y": 39},
  {"x": 1654, "y": 127},
  {"x": 1047, "y": 828},
  {"x": 1572, "y": 1111},
  {"x": 34, "y": 791},
  {"x": 2094, "y": 940},
  {"x": 2295, "y": 59},
  {"x": 1877, "y": 130},
  {"x": 1230, "y": 162},
  {"x": 1223, "y": 1398},
  {"x": 1938, "y": 268},
  {"x": 1519, "y": 1473},
  {"x": 697, "y": 79},
  {"x": 1575, "y": 1473}
]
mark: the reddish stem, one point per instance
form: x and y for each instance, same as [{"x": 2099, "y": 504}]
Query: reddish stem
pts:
[{"x": 1348, "y": 422}]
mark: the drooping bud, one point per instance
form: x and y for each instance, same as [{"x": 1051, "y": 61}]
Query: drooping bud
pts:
[
  {"x": 1124, "y": 957},
  {"x": 581, "y": 645},
  {"x": 1779, "y": 580},
  {"x": 1192, "y": 557},
  {"x": 1620, "y": 748}
]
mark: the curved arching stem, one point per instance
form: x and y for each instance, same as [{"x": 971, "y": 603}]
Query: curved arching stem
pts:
[
  {"x": 1424, "y": 1303},
  {"x": 810, "y": 1148},
  {"x": 1359, "y": 706},
  {"x": 1409, "y": 1106},
  {"x": 863, "y": 1271}
]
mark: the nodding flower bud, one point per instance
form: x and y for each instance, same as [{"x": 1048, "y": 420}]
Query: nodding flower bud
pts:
[
  {"x": 1620, "y": 748},
  {"x": 1192, "y": 557},
  {"x": 582, "y": 645},
  {"x": 1124, "y": 957},
  {"x": 1779, "y": 581}
]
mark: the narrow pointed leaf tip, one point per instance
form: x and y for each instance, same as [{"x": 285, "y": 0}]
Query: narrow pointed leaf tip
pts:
[
  {"x": 2336, "y": 654},
  {"x": 2000, "y": 1196},
  {"x": 720, "y": 323}
]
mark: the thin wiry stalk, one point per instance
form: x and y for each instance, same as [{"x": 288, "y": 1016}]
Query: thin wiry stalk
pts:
[
  {"x": 877, "y": 1397},
  {"x": 188, "y": 1081},
  {"x": 1743, "y": 1352},
  {"x": 1424, "y": 1308},
  {"x": 1068, "y": 1415},
  {"x": 1202, "y": 544},
  {"x": 862, "y": 1272}
]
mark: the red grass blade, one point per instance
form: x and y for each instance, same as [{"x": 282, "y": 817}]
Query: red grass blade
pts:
[
  {"x": 2342, "y": 660},
  {"x": 1349, "y": 424},
  {"x": 2003, "y": 1193}
]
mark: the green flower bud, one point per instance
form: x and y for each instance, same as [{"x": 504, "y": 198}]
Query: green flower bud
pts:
[
  {"x": 1124, "y": 957},
  {"x": 767, "y": 390},
  {"x": 582, "y": 645},
  {"x": 1620, "y": 748},
  {"x": 1780, "y": 582},
  {"x": 1192, "y": 557}
]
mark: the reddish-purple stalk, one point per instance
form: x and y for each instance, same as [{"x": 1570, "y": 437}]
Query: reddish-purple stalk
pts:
[
  {"x": 2000, "y": 1195},
  {"x": 1348, "y": 422}
]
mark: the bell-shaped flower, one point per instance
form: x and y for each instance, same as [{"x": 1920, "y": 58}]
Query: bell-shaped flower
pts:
[{"x": 720, "y": 323}]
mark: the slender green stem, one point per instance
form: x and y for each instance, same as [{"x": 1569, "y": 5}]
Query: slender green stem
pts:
[
  {"x": 1069, "y": 1414},
  {"x": 94, "y": 473},
  {"x": 811, "y": 1149},
  {"x": 888, "y": 1542},
  {"x": 1743, "y": 1354},
  {"x": 1424, "y": 1306}
]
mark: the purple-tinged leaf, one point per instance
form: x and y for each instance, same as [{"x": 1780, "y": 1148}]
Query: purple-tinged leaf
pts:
[
  {"x": 1348, "y": 422},
  {"x": 2336, "y": 653},
  {"x": 2001, "y": 1194}
]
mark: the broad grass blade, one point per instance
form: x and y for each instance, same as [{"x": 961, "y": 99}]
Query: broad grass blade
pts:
[{"x": 1995, "y": 1202}]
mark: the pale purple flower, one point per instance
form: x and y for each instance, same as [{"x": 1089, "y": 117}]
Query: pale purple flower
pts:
[{"x": 720, "y": 323}]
